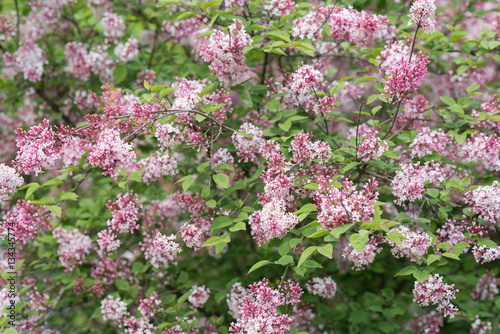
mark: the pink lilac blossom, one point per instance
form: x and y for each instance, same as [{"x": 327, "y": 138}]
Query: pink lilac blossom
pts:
[
  {"x": 186, "y": 94},
  {"x": 480, "y": 327},
  {"x": 157, "y": 258},
  {"x": 10, "y": 180},
  {"x": 167, "y": 246},
  {"x": 145, "y": 75},
  {"x": 345, "y": 205},
  {"x": 427, "y": 323},
  {"x": 405, "y": 79},
  {"x": 422, "y": 13},
  {"x": 135, "y": 325},
  {"x": 483, "y": 255},
  {"x": 7, "y": 299},
  {"x": 72, "y": 151},
  {"x": 371, "y": 146},
  {"x": 235, "y": 298},
  {"x": 452, "y": 232},
  {"x": 408, "y": 184},
  {"x": 6, "y": 28},
  {"x": 248, "y": 148},
  {"x": 25, "y": 221},
  {"x": 224, "y": 52},
  {"x": 39, "y": 148},
  {"x": 434, "y": 292},
  {"x": 324, "y": 287},
  {"x": 234, "y": 3},
  {"x": 166, "y": 135},
  {"x": 272, "y": 221},
  {"x": 413, "y": 246},
  {"x": 113, "y": 309},
  {"x": 111, "y": 153},
  {"x": 199, "y": 296},
  {"x": 156, "y": 166},
  {"x": 193, "y": 235},
  {"x": 487, "y": 287},
  {"x": 29, "y": 60},
  {"x": 305, "y": 82},
  {"x": 482, "y": 149},
  {"x": 363, "y": 259},
  {"x": 113, "y": 27},
  {"x": 347, "y": 24},
  {"x": 259, "y": 312},
  {"x": 127, "y": 51},
  {"x": 304, "y": 150},
  {"x": 428, "y": 140},
  {"x": 150, "y": 306},
  {"x": 108, "y": 240},
  {"x": 393, "y": 54},
  {"x": 485, "y": 202},
  {"x": 76, "y": 58},
  {"x": 125, "y": 213},
  {"x": 325, "y": 105},
  {"x": 101, "y": 63},
  {"x": 279, "y": 8},
  {"x": 73, "y": 246}
]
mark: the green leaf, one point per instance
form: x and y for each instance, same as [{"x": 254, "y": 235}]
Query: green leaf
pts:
[
  {"x": 364, "y": 79},
  {"x": 258, "y": 265},
  {"x": 67, "y": 196},
  {"x": 432, "y": 258},
  {"x": 312, "y": 264},
  {"x": 220, "y": 222},
  {"x": 459, "y": 247},
  {"x": 358, "y": 242},
  {"x": 31, "y": 189},
  {"x": 247, "y": 99},
  {"x": 10, "y": 330},
  {"x": 241, "y": 226},
  {"x": 443, "y": 245},
  {"x": 166, "y": 91},
  {"x": 222, "y": 180},
  {"x": 212, "y": 241},
  {"x": 211, "y": 203},
  {"x": 188, "y": 182},
  {"x": 487, "y": 242},
  {"x": 55, "y": 209},
  {"x": 273, "y": 105},
  {"x": 120, "y": 73},
  {"x": 309, "y": 207},
  {"x": 313, "y": 186},
  {"x": 223, "y": 166},
  {"x": 208, "y": 89},
  {"x": 421, "y": 276},
  {"x": 349, "y": 166},
  {"x": 326, "y": 250},
  {"x": 135, "y": 175},
  {"x": 472, "y": 88},
  {"x": 433, "y": 192},
  {"x": 406, "y": 271},
  {"x": 184, "y": 297},
  {"x": 451, "y": 256},
  {"x": 53, "y": 182},
  {"x": 215, "y": 4},
  {"x": 122, "y": 285},
  {"x": 220, "y": 246},
  {"x": 163, "y": 3},
  {"x": 284, "y": 260},
  {"x": 306, "y": 254},
  {"x": 448, "y": 100},
  {"x": 337, "y": 231},
  {"x": 281, "y": 35}
]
